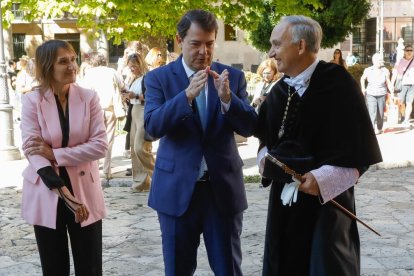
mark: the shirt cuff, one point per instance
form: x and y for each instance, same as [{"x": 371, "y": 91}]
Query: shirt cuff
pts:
[
  {"x": 333, "y": 181},
  {"x": 260, "y": 155},
  {"x": 225, "y": 106}
]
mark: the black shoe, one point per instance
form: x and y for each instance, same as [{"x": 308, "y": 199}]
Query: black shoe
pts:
[{"x": 128, "y": 172}]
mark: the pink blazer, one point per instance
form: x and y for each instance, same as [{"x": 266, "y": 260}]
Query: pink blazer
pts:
[{"x": 87, "y": 143}]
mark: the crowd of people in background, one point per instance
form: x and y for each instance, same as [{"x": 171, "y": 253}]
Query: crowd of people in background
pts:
[{"x": 377, "y": 86}]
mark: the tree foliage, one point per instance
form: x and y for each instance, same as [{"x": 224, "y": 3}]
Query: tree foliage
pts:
[
  {"x": 140, "y": 20},
  {"x": 132, "y": 20},
  {"x": 336, "y": 17}
]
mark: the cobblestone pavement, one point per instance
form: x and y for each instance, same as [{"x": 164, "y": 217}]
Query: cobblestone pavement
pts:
[
  {"x": 132, "y": 243},
  {"x": 131, "y": 235}
]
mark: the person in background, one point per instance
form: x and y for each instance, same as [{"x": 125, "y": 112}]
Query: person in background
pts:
[
  {"x": 154, "y": 58},
  {"x": 124, "y": 73},
  {"x": 63, "y": 135},
  {"x": 105, "y": 82},
  {"x": 23, "y": 83},
  {"x": 31, "y": 71},
  {"x": 268, "y": 71},
  {"x": 11, "y": 81},
  {"x": 195, "y": 105},
  {"x": 171, "y": 56},
  {"x": 350, "y": 60},
  {"x": 12, "y": 74},
  {"x": 330, "y": 144},
  {"x": 141, "y": 150},
  {"x": 337, "y": 58},
  {"x": 122, "y": 69},
  {"x": 404, "y": 68},
  {"x": 85, "y": 65},
  {"x": 379, "y": 83},
  {"x": 24, "y": 80}
]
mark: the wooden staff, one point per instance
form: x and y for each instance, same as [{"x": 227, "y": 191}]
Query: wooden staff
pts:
[{"x": 296, "y": 175}]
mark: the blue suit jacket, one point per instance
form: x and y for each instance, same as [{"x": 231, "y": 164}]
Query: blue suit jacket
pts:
[{"x": 183, "y": 142}]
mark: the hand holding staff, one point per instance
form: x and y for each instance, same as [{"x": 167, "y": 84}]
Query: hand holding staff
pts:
[{"x": 336, "y": 204}]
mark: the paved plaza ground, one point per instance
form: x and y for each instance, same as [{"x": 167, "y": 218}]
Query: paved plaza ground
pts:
[{"x": 131, "y": 236}]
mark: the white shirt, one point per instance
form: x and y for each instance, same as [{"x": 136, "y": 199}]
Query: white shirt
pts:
[
  {"x": 104, "y": 81},
  {"x": 301, "y": 81},
  {"x": 136, "y": 88}
]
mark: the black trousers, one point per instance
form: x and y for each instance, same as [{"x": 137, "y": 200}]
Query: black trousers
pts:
[{"x": 86, "y": 244}]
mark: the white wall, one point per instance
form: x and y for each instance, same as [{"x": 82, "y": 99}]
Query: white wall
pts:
[{"x": 238, "y": 51}]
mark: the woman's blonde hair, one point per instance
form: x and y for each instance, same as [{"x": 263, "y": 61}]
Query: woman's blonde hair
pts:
[
  {"x": 143, "y": 68},
  {"x": 154, "y": 58},
  {"x": 270, "y": 62},
  {"x": 46, "y": 55}
]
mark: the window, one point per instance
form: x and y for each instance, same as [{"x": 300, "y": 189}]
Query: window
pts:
[
  {"x": 404, "y": 29},
  {"x": 18, "y": 45},
  {"x": 15, "y": 9},
  {"x": 389, "y": 29},
  {"x": 371, "y": 27},
  {"x": 115, "y": 51},
  {"x": 357, "y": 35},
  {"x": 229, "y": 33},
  {"x": 74, "y": 40}
]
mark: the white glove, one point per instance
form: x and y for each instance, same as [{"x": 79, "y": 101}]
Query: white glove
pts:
[{"x": 290, "y": 192}]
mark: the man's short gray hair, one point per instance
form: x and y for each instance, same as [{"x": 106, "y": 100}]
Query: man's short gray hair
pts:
[{"x": 302, "y": 27}]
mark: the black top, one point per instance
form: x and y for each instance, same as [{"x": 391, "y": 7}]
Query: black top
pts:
[{"x": 48, "y": 174}]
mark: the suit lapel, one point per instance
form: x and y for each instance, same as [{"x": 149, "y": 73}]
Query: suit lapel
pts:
[
  {"x": 181, "y": 77},
  {"x": 77, "y": 115},
  {"x": 51, "y": 116}
]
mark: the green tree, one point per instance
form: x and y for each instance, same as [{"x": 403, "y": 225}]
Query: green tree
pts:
[
  {"x": 149, "y": 19},
  {"x": 132, "y": 20},
  {"x": 336, "y": 17}
]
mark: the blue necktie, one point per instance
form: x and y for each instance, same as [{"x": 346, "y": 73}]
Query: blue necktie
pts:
[
  {"x": 202, "y": 107},
  {"x": 202, "y": 112}
]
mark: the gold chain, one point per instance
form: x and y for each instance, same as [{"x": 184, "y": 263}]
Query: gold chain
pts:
[{"x": 282, "y": 126}]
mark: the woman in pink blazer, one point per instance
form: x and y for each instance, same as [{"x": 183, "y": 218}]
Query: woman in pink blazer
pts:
[{"x": 63, "y": 135}]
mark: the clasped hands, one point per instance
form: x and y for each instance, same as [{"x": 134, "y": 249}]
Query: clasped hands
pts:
[{"x": 199, "y": 79}]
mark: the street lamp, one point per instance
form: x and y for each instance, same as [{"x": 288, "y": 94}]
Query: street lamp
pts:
[
  {"x": 381, "y": 27},
  {"x": 7, "y": 149}
]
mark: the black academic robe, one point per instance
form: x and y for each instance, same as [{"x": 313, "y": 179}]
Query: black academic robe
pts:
[{"x": 332, "y": 122}]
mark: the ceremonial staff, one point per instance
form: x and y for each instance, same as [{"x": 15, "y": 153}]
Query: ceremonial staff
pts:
[{"x": 298, "y": 176}]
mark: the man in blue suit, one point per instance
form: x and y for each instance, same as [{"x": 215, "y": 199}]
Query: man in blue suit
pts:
[{"x": 195, "y": 106}]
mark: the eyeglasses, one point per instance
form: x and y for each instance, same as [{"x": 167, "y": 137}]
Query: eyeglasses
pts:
[
  {"x": 408, "y": 50},
  {"x": 266, "y": 73}
]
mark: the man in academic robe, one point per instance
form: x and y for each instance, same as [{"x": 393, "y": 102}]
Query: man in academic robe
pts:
[{"x": 320, "y": 107}]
